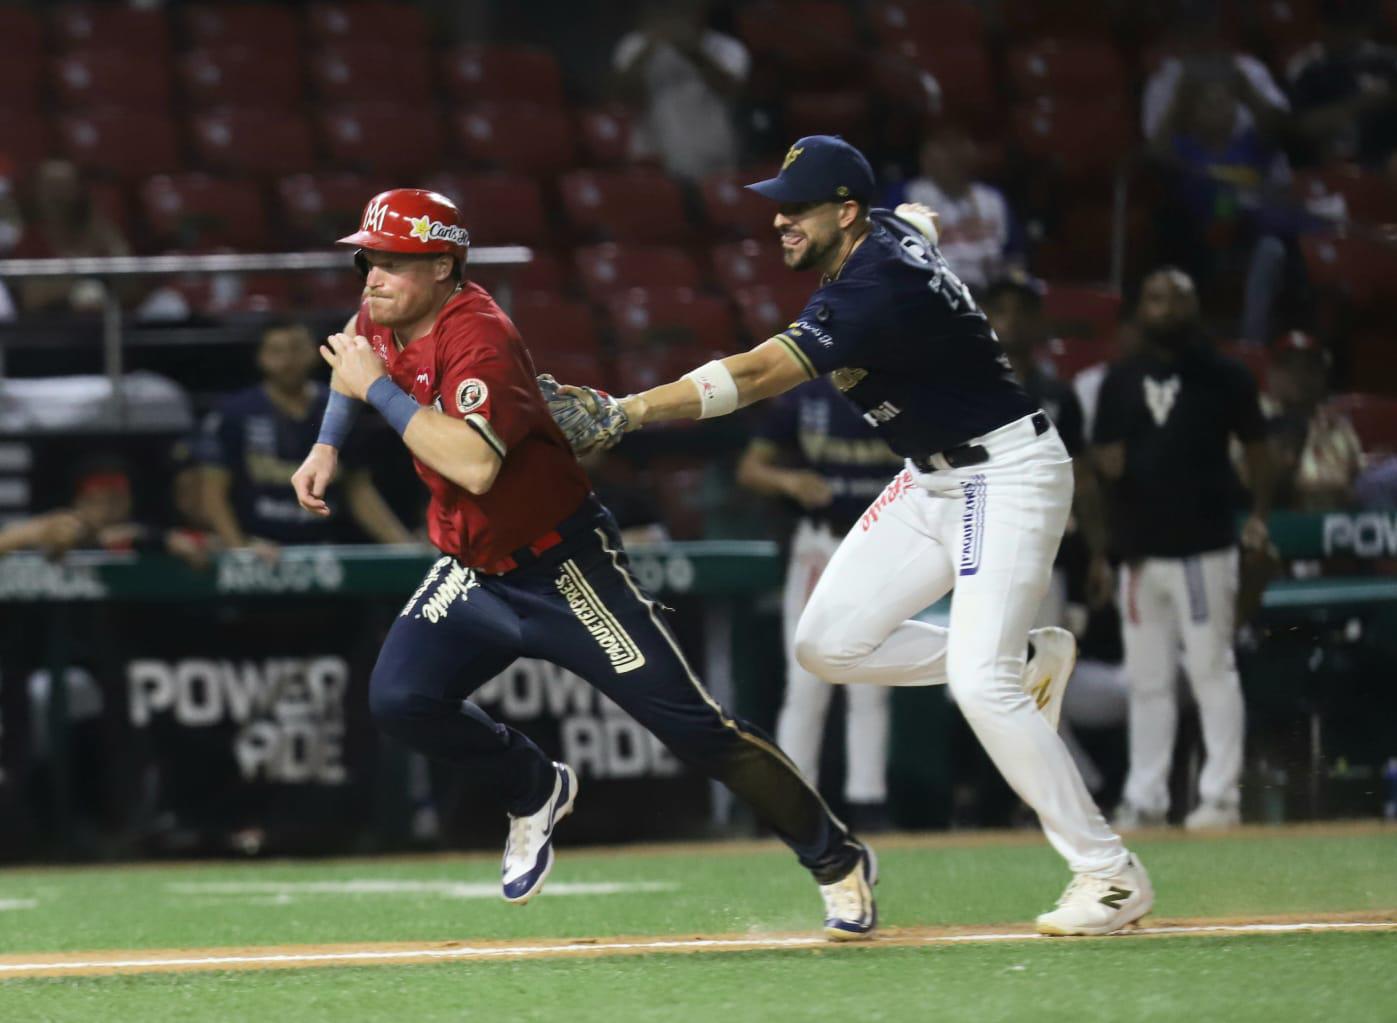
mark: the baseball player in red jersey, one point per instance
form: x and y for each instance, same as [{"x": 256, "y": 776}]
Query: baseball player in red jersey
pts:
[{"x": 531, "y": 566}]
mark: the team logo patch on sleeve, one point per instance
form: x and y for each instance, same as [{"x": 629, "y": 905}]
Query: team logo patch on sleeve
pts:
[{"x": 471, "y": 394}]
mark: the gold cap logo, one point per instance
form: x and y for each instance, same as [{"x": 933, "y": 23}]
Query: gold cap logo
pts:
[{"x": 791, "y": 155}]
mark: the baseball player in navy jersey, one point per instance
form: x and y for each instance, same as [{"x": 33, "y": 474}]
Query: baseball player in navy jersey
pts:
[
  {"x": 532, "y": 564},
  {"x": 813, "y": 449},
  {"x": 979, "y": 509}
]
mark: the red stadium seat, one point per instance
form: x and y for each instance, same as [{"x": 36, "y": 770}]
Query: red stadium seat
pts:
[
  {"x": 829, "y": 113},
  {"x": 109, "y": 199},
  {"x": 1374, "y": 416},
  {"x": 21, "y": 81},
  {"x": 499, "y": 209},
  {"x": 563, "y": 338},
  {"x": 1083, "y": 140},
  {"x": 804, "y": 38},
  {"x": 638, "y": 205},
  {"x": 523, "y": 138},
  {"x": 1069, "y": 356},
  {"x": 963, "y": 75},
  {"x": 944, "y": 22},
  {"x": 358, "y": 73},
  {"x": 253, "y": 141},
  {"x": 319, "y": 208},
  {"x": 544, "y": 277},
  {"x": 239, "y": 77},
  {"x": 382, "y": 138},
  {"x": 1067, "y": 68},
  {"x": 1033, "y": 19},
  {"x": 735, "y": 210},
  {"x": 606, "y": 136},
  {"x": 745, "y": 264},
  {"x": 608, "y": 269},
  {"x": 269, "y": 29},
  {"x": 391, "y": 26},
  {"x": 338, "y": 290},
  {"x": 118, "y": 27},
  {"x": 21, "y": 31},
  {"x": 122, "y": 143},
  {"x": 502, "y": 74},
  {"x": 1077, "y": 244},
  {"x": 680, "y": 319},
  {"x": 766, "y": 310},
  {"x": 1367, "y": 196},
  {"x": 25, "y": 138},
  {"x": 1084, "y": 313},
  {"x": 86, "y": 78},
  {"x": 196, "y": 211},
  {"x": 1361, "y": 271}
]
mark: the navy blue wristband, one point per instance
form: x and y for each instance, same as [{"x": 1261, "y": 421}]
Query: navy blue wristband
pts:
[
  {"x": 393, "y": 403},
  {"x": 340, "y": 412}
]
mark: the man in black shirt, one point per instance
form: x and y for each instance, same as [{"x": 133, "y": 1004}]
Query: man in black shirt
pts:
[{"x": 1161, "y": 434}]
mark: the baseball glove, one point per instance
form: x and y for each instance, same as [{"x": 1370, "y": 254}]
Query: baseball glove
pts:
[{"x": 590, "y": 419}]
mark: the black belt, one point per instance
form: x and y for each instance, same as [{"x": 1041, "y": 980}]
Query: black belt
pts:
[{"x": 965, "y": 455}]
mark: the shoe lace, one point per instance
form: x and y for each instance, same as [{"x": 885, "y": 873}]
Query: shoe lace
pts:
[
  {"x": 1083, "y": 886},
  {"x": 518, "y": 836}
]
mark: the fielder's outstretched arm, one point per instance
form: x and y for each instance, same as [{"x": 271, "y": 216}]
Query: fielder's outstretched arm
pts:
[{"x": 719, "y": 387}]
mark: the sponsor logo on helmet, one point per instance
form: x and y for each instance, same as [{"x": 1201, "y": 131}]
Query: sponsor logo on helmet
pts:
[
  {"x": 429, "y": 230},
  {"x": 374, "y": 213},
  {"x": 471, "y": 395}
]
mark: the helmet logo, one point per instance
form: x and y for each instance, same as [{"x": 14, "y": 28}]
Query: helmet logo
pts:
[
  {"x": 374, "y": 214},
  {"x": 428, "y": 230},
  {"x": 791, "y": 155}
]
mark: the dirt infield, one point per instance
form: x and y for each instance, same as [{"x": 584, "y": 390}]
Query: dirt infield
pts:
[{"x": 117, "y": 962}]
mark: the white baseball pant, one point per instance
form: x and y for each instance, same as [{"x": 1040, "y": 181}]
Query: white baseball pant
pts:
[
  {"x": 989, "y": 532},
  {"x": 1169, "y": 606},
  {"x": 801, "y": 724}
]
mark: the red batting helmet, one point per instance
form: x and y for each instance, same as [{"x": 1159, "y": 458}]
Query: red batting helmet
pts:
[{"x": 410, "y": 220}]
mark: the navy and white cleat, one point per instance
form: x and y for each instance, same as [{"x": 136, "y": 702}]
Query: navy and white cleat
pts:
[
  {"x": 528, "y": 853},
  {"x": 850, "y": 911}
]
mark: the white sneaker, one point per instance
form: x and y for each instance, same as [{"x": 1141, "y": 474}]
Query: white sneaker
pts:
[
  {"x": 850, "y": 912},
  {"x": 1097, "y": 905},
  {"x": 1045, "y": 676},
  {"x": 1213, "y": 817},
  {"x": 1129, "y": 817},
  {"x": 528, "y": 853}
]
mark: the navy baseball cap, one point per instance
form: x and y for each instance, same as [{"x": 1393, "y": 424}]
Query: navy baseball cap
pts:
[{"x": 820, "y": 168}]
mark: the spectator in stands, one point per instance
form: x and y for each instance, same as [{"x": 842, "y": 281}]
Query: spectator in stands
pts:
[
  {"x": 685, "y": 79},
  {"x": 63, "y": 222},
  {"x": 253, "y": 442},
  {"x": 1315, "y": 448},
  {"x": 978, "y": 236},
  {"x": 1162, "y": 426},
  {"x": 1344, "y": 88}
]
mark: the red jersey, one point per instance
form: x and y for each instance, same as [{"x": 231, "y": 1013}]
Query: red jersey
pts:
[{"x": 473, "y": 366}]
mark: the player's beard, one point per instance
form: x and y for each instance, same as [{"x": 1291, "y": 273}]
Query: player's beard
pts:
[{"x": 812, "y": 256}]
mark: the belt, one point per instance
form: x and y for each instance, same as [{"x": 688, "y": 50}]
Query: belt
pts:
[
  {"x": 579, "y": 521},
  {"x": 964, "y": 455}
]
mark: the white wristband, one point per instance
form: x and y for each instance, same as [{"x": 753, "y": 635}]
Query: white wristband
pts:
[{"x": 717, "y": 390}]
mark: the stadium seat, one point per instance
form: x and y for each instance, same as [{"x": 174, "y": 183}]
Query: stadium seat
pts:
[
  {"x": 117, "y": 27},
  {"x": 263, "y": 27},
  {"x": 1083, "y": 139},
  {"x": 1069, "y": 356},
  {"x": 25, "y": 138},
  {"x": 845, "y": 114},
  {"x": 1066, "y": 68},
  {"x": 677, "y": 319},
  {"x": 319, "y": 208},
  {"x": 197, "y": 211},
  {"x": 963, "y": 75},
  {"x": 947, "y": 23},
  {"x": 1076, "y": 244},
  {"x": 606, "y": 136},
  {"x": 122, "y": 143},
  {"x": 1255, "y": 357},
  {"x": 1367, "y": 197},
  {"x": 354, "y": 135},
  {"x": 252, "y": 141},
  {"x": 738, "y": 265},
  {"x": 502, "y": 74},
  {"x": 563, "y": 337},
  {"x": 88, "y": 78},
  {"x": 109, "y": 199},
  {"x": 1374, "y": 416},
  {"x": 1033, "y": 19},
  {"x": 1361, "y": 271},
  {"x": 1084, "y": 313},
  {"x": 523, "y": 138},
  {"x": 21, "y": 81},
  {"x": 799, "y": 41},
  {"x": 734, "y": 210},
  {"x": 545, "y": 276},
  {"x": 390, "y": 26},
  {"x": 240, "y": 77},
  {"x": 358, "y": 73},
  {"x": 766, "y": 310},
  {"x": 637, "y": 205},
  {"x": 499, "y": 209},
  {"x": 21, "y": 31},
  {"x": 608, "y": 269},
  {"x": 340, "y": 291}
]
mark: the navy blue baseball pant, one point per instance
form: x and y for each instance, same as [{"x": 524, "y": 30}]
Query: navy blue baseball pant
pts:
[{"x": 579, "y": 606}]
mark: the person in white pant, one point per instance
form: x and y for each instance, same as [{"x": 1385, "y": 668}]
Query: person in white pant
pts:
[
  {"x": 814, "y": 449},
  {"x": 1163, "y": 423},
  {"x": 980, "y": 508}
]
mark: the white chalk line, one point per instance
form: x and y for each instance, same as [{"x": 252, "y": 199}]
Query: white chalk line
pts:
[
  {"x": 384, "y": 886},
  {"x": 659, "y": 945}
]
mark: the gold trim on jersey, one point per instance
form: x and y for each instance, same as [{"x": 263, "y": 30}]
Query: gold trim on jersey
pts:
[{"x": 800, "y": 357}]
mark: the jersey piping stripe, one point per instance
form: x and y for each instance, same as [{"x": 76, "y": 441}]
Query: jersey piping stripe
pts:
[
  {"x": 707, "y": 697},
  {"x": 800, "y": 357},
  {"x": 483, "y": 427}
]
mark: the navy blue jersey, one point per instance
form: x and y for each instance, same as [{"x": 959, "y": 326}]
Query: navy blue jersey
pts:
[
  {"x": 906, "y": 343},
  {"x": 830, "y": 437},
  {"x": 261, "y": 446}
]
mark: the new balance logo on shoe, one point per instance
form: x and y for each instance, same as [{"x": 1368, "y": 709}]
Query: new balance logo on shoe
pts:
[{"x": 1116, "y": 897}]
